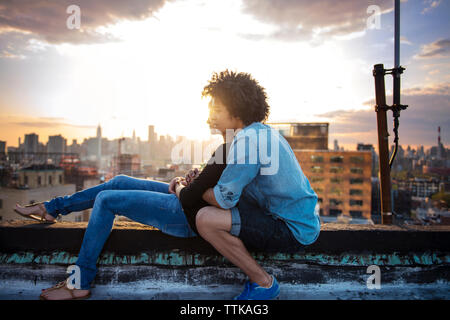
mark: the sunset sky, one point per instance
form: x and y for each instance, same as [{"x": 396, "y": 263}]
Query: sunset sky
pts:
[{"x": 138, "y": 63}]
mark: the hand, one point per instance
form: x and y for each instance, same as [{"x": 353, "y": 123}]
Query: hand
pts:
[
  {"x": 173, "y": 183},
  {"x": 191, "y": 175}
]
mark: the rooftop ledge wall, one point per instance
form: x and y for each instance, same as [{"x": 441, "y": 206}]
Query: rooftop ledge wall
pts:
[{"x": 418, "y": 255}]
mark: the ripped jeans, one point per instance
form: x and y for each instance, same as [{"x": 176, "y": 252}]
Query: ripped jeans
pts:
[{"x": 146, "y": 201}]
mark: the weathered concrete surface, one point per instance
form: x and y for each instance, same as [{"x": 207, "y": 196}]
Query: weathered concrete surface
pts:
[
  {"x": 194, "y": 284},
  {"x": 173, "y": 291},
  {"x": 139, "y": 262}
]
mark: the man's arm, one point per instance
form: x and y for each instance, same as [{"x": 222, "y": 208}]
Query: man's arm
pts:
[
  {"x": 241, "y": 169},
  {"x": 209, "y": 197}
]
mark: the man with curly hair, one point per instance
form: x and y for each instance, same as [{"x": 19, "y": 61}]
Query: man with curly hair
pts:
[{"x": 261, "y": 202}]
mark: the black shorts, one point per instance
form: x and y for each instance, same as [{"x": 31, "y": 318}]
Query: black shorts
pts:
[{"x": 260, "y": 231}]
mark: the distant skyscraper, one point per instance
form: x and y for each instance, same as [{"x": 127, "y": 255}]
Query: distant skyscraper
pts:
[
  {"x": 421, "y": 152},
  {"x": 336, "y": 145},
  {"x": 55, "y": 144},
  {"x": 2, "y": 150},
  {"x": 2, "y": 146},
  {"x": 74, "y": 147},
  {"x": 31, "y": 143},
  {"x": 99, "y": 145},
  {"x": 152, "y": 142},
  {"x": 439, "y": 151},
  {"x": 151, "y": 134},
  {"x": 99, "y": 131}
]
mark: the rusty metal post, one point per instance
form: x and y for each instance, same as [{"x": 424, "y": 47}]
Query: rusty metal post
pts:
[{"x": 383, "y": 145}]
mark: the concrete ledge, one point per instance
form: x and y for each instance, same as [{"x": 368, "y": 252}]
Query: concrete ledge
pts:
[
  {"x": 140, "y": 262},
  {"x": 130, "y": 243},
  {"x": 130, "y": 237}
]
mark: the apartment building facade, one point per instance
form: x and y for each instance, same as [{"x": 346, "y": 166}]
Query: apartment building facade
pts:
[{"x": 341, "y": 179}]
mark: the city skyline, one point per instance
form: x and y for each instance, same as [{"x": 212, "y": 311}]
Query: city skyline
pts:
[
  {"x": 126, "y": 69},
  {"x": 332, "y": 143}
]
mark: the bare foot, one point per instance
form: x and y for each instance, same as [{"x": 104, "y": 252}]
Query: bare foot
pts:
[
  {"x": 38, "y": 209},
  {"x": 61, "y": 292}
]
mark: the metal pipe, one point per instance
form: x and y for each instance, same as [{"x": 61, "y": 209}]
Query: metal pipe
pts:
[
  {"x": 383, "y": 145},
  {"x": 397, "y": 34},
  {"x": 396, "y": 72}
]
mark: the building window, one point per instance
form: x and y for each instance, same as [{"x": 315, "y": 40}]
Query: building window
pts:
[
  {"x": 335, "y": 180},
  {"x": 335, "y": 202},
  {"x": 336, "y": 169},
  {"x": 60, "y": 179},
  {"x": 356, "y": 213},
  {"x": 318, "y": 190},
  {"x": 320, "y": 200},
  {"x": 337, "y": 159},
  {"x": 356, "y": 192},
  {"x": 356, "y": 202},
  {"x": 316, "y": 159},
  {"x": 335, "y": 212},
  {"x": 316, "y": 169},
  {"x": 49, "y": 179},
  {"x": 356, "y": 181},
  {"x": 25, "y": 179},
  {"x": 336, "y": 191},
  {"x": 39, "y": 180},
  {"x": 1, "y": 203},
  {"x": 357, "y": 159},
  {"x": 317, "y": 179},
  {"x": 356, "y": 170}
]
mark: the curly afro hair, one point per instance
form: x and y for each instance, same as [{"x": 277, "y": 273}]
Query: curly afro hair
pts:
[{"x": 242, "y": 95}]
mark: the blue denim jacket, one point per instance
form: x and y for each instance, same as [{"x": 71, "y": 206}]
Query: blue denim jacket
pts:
[{"x": 262, "y": 166}]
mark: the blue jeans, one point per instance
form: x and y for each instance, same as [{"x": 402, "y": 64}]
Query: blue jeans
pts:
[{"x": 146, "y": 201}]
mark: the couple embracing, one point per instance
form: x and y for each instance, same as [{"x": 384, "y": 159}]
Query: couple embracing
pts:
[{"x": 251, "y": 196}]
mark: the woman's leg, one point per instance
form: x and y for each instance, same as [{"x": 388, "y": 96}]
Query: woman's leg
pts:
[
  {"x": 84, "y": 199},
  {"x": 160, "y": 210}
]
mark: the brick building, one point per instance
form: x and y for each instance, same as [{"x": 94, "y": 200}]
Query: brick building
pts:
[{"x": 341, "y": 179}]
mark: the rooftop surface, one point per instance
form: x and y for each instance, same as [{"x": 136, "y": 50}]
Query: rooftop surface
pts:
[{"x": 140, "y": 262}]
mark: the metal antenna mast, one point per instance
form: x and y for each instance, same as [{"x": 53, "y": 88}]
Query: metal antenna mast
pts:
[{"x": 380, "y": 108}]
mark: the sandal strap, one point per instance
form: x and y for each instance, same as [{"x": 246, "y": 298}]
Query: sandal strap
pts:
[
  {"x": 57, "y": 286},
  {"x": 62, "y": 285},
  {"x": 34, "y": 204},
  {"x": 41, "y": 216}
]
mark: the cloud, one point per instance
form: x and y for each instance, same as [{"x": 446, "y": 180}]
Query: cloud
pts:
[
  {"x": 403, "y": 40},
  {"x": 18, "y": 45},
  {"x": 430, "y": 4},
  {"x": 49, "y": 122},
  {"x": 307, "y": 20},
  {"x": 46, "y": 21},
  {"x": 437, "y": 49},
  {"x": 428, "y": 108}
]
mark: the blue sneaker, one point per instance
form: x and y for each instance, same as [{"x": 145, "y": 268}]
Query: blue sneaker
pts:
[{"x": 253, "y": 291}]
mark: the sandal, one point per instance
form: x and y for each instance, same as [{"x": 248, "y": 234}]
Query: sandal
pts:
[
  {"x": 40, "y": 217},
  {"x": 63, "y": 285}
]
